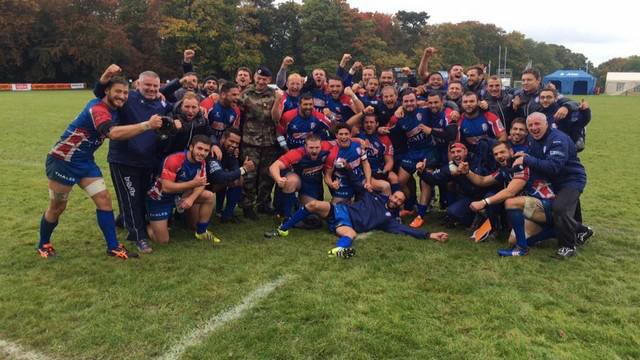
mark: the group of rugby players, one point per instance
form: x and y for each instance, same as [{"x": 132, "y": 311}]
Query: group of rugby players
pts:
[{"x": 497, "y": 158}]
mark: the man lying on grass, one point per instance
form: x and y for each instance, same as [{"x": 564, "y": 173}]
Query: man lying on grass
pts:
[{"x": 374, "y": 211}]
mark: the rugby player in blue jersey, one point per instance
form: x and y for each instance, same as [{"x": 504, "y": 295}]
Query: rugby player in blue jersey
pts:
[
  {"x": 182, "y": 184},
  {"x": 71, "y": 162},
  {"x": 374, "y": 211}
]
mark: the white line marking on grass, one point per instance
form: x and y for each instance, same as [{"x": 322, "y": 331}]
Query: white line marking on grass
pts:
[
  {"x": 15, "y": 351},
  {"x": 364, "y": 235},
  {"x": 198, "y": 334}
]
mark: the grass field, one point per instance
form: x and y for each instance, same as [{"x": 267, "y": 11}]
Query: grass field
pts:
[{"x": 400, "y": 298}]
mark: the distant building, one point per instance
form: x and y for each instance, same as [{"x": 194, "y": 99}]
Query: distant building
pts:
[{"x": 622, "y": 83}]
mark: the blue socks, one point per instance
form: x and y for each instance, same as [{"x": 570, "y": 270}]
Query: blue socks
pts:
[
  {"x": 422, "y": 210},
  {"x": 201, "y": 228},
  {"x": 517, "y": 223},
  {"x": 107, "y": 224},
  {"x": 233, "y": 197},
  {"x": 46, "y": 229},
  {"x": 288, "y": 202},
  {"x": 299, "y": 215},
  {"x": 546, "y": 233},
  {"x": 344, "y": 242}
]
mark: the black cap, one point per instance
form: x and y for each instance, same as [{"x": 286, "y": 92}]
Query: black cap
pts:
[
  {"x": 210, "y": 77},
  {"x": 263, "y": 71}
]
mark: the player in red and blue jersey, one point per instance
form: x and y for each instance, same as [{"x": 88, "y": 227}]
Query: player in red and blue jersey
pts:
[
  {"x": 527, "y": 197},
  {"x": 297, "y": 124},
  {"x": 347, "y": 167},
  {"x": 225, "y": 112},
  {"x": 479, "y": 130},
  {"x": 379, "y": 152},
  {"x": 342, "y": 103},
  {"x": 182, "y": 184},
  {"x": 289, "y": 99},
  {"x": 300, "y": 170},
  {"x": 71, "y": 162}
]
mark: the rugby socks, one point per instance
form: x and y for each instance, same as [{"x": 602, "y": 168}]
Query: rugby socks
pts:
[
  {"x": 299, "y": 215},
  {"x": 233, "y": 197},
  {"x": 410, "y": 203},
  {"x": 422, "y": 210},
  {"x": 46, "y": 229},
  {"x": 517, "y": 223},
  {"x": 288, "y": 201},
  {"x": 546, "y": 233},
  {"x": 220, "y": 195},
  {"x": 107, "y": 224},
  {"x": 201, "y": 228},
  {"x": 344, "y": 241}
]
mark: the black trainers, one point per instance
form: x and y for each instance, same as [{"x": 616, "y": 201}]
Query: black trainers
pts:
[
  {"x": 122, "y": 252},
  {"x": 250, "y": 214},
  {"x": 583, "y": 236},
  {"x": 565, "y": 252}
]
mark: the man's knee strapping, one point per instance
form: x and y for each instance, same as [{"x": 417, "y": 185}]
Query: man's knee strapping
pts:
[{"x": 95, "y": 187}]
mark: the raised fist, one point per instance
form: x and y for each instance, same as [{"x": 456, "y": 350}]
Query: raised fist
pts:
[
  {"x": 287, "y": 61},
  {"x": 188, "y": 55}
]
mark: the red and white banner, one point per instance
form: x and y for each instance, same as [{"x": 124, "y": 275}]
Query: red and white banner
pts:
[{"x": 53, "y": 86}]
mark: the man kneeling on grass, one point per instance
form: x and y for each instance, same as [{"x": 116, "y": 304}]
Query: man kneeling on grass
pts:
[
  {"x": 527, "y": 197},
  {"x": 374, "y": 211},
  {"x": 182, "y": 184}
]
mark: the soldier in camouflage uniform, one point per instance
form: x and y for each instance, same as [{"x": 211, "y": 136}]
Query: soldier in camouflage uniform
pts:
[{"x": 258, "y": 143}]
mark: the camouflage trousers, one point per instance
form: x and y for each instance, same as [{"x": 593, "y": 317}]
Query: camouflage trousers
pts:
[{"x": 258, "y": 184}]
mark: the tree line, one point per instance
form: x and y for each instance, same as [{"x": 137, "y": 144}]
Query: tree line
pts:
[{"x": 74, "y": 40}]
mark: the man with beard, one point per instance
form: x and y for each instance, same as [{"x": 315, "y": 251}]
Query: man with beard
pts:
[
  {"x": 479, "y": 130},
  {"x": 71, "y": 161},
  {"x": 379, "y": 152},
  {"x": 342, "y": 103},
  {"x": 462, "y": 191},
  {"x": 455, "y": 89},
  {"x": 300, "y": 170},
  {"x": 297, "y": 124},
  {"x": 225, "y": 175},
  {"x": 518, "y": 135},
  {"x": 374, "y": 211},
  {"x": 411, "y": 121},
  {"x": 182, "y": 184},
  {"x": 475, "y": 80},
  {"x": 225, "y": 113},
  {"x": 526, "y": 197}
]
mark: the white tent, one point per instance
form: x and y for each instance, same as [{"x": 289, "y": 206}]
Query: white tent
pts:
[{"x": 622, "y": 83}]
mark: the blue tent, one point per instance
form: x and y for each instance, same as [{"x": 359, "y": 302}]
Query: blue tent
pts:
[{"x": 571, "y": 82}]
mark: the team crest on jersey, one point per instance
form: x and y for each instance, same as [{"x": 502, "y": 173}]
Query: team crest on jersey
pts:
[
  {"x": 484, "y": 127},
  {"x": 419, "y": 116},
  {"x": 313, "y": 125}
]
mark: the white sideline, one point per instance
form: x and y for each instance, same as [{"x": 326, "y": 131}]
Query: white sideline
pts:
[
  {"x": 199, "y": 333},
  {"x": 15, "y": 351}
]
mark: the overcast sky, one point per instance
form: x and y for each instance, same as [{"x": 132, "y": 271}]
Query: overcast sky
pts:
[{"x": 601, "y": 32}]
